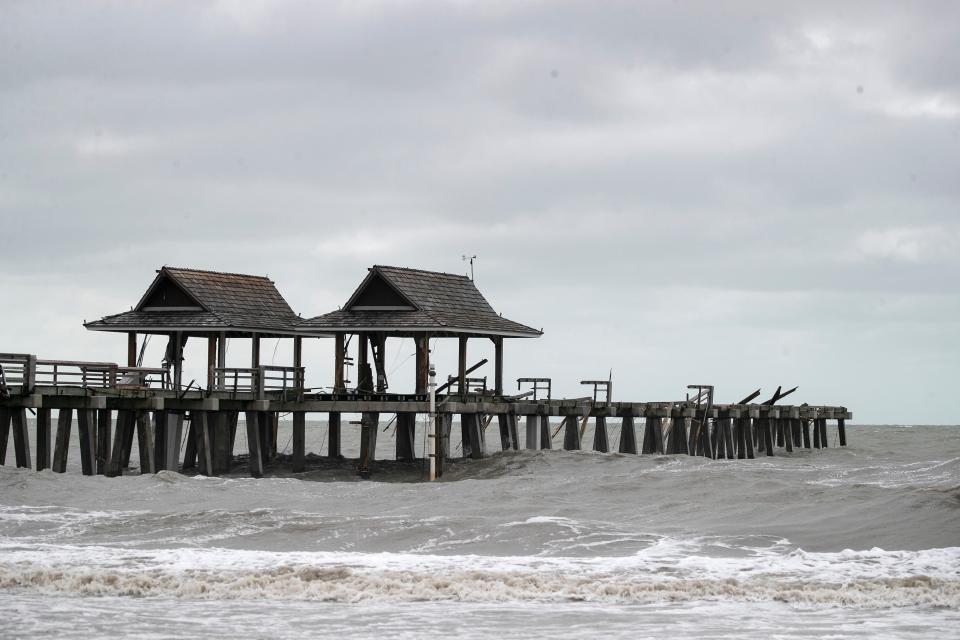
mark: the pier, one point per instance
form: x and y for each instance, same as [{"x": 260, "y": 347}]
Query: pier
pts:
[{"x": 194, "y": 425}]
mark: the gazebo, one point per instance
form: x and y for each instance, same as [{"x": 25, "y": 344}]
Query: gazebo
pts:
[
  {"x": 185, "y": 303},
  {"x": 412, "y": 303}
]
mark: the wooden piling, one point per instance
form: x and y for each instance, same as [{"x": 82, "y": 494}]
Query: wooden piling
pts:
[
  {"x": 805, "y": 429},
  {"x": 406, "y": 436},
  {"x": 104, "y": 429},
  {"x": 726, "y": 429},
  {"x": 145, "y": 443},
  {"x": 571, "y": 433},
  {"x": 299, "y": 440},
  {"x": 333, "y": 435},
  {"x": 203, "y": 433},
  {"x": 816, "y": 433},
  {"x": 530, "y": 442},
  {"x": 503, "y": 421},
  {"x": 21, "y": 438},
  {"x": 160, "y": 441},
  {"x": 5, "y": 420},
  {"x": 190, "y": 446},
  {"x": 678, "y": 437},
  {"x": 369, "y": 426},
  {"x": 43, "y": 439},
  {"x": 628, "y": 436},
  {"x": 600, "y": 441},
  {"x": 87, "y": 430},
  {"x": 473, "y": 445},
  {"x": 767, "y": 435},
  {"x": 224, "y": 426},
  {"x": 546, "y": 437},
  {"x": 115, "y": 465},
  {"x": 252, "y": 419},
  {"x": 128, "y": 436},
  {"x": 785, "y": 429},
  {"x": 842, "y": 431},
  {"x": 62, "y": 445}
]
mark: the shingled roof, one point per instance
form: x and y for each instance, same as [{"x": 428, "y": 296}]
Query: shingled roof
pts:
[
  {"x": 403, "y": 300},
  {"x": 192, "y": 300}
]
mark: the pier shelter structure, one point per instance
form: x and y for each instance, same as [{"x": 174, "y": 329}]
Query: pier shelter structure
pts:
[
  {"x": 212, "y": 306},
  {"x": 412, "y": 303}
]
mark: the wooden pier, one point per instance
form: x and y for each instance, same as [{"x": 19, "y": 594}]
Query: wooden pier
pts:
[{"x": 183, "y": 427}]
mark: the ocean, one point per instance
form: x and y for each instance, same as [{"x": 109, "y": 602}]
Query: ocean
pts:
[{"x": 860, "y": 542}]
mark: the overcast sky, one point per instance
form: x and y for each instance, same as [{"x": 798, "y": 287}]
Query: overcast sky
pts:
[{"x": 742, "y": 194}]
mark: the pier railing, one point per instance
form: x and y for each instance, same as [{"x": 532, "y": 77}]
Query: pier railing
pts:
[
  {"x": 17, "y": 373},
  {"x": 143, "y": 378},
  {"x": 258, "y": 380},
  {"x": 67, "y": 373}
]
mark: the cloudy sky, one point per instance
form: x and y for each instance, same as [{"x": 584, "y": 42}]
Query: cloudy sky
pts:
[{"x": 744, "y": 194}]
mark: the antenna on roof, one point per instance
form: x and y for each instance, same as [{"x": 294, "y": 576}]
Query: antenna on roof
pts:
[{"x": 471, "y": 259}]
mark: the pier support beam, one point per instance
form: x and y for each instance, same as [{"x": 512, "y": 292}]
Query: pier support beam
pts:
[
  {"x": 653, "y": 436},
  {"x": 255, "y": 459},
  {"x": 145, "y": 443},
  {"x": 333, "y": 435},
  {"x": 508, "y": 431},
  {"x": 530, "y": 441},
  {"x": 21, "y": 438},
  {"x": 62, "y": 446},
  {"x": 628, "y": 436},
  {"x": 338, "y": 359},
  {"x": 546, "y": 437},
  {"x": 677, "y": 442},
  {"x": 87, "y": 430},
  {"x": 4, "y": 433},
  {"x": 104, "y": 433},
  {"x": 805, "y": 432},
  {"x": 43, "y": 439},
  {"x": 462, "y": 366},
  {"x": 497, "y": 365},
  {"x": 299, "y": 441},
  {"x": 223, "y": 429},
  {"x": 369, "y": 426},
  {"x": 444, "y": 424},
  {"x": 842, "y": 431},
  {"x": 406, "y": 434},
  {"x": 422, "y": 343},
  {"x": 822, "y": 423},
  {"x": 600, "y": 441},
  {"x": 571, "y": 433},
  {"x": 472, "y": 435}
]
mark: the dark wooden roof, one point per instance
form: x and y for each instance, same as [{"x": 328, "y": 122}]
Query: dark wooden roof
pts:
[
  {"x": 423, "y": 301},
  {"x": 205, "y": 301}
]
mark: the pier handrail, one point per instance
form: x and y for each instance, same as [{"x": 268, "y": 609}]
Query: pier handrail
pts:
[
  {"x": 17, "y": 370},
  {"x": 75, "y": 373},
  {"x": 258, "y": 380},
  {"x": 143, "y": 378}
]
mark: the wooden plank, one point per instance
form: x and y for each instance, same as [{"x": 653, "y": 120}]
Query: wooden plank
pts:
[
  {"x": 21, "y": 438},
  {"x": 104, "y": 428},
  {"x": 255, "y": 459},
  {"x": 299, "y": 440},
  {"x": 43, "y": 439},
  {"x": 333, "y": 435},
  {"x": 62, "y": 446},
  {"x": 87, "y": 430}
]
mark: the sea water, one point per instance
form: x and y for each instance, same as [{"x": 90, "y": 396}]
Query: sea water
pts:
[{"x": 862, "y": 541}]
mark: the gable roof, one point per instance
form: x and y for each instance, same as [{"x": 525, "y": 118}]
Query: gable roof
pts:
[
  {"x": 224, "y": 302},
  {"x": 442, "y": 303}
]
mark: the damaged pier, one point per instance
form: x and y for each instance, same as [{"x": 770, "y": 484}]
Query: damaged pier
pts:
[{"x": 194, "y": 426}]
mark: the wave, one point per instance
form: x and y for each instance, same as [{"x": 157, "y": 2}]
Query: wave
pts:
[{"x": 864, "y": 579}]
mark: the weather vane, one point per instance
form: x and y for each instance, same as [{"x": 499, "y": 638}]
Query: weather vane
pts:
[{"x": 471, "y": 259}]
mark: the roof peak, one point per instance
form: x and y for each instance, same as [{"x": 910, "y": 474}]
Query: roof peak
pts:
[
  {"x": 412, "y": 270},
  {"x": 218, "y": 273}
]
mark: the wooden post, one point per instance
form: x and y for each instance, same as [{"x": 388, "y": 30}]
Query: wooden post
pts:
[
  {"x": 380, "y": 361},
  {"x": 116, "y": 465},
  {"x": 62, "y": 446},
  {"x": 531, "y": 435},
  {"x": 842, "y": 431},
  {"x": 546, "y": 437},
  {"x": 87, "y": 429},
  {"x": 104, "y": 427},
  {"x": 21, "y": 438},
  {"x": 254, "y": 350},
  {"x": 160, "y": 441},
  {"x": 369, "y": 426},
  {"x": 726, "y": 426},
  {"x": 252, "y": 419},
  {"x": 503, "y": 421},
  {"x": 678, "y": 436},
  {"x": 228, "y": 428},
  {"x": 131, "y": 349},
  {"x": 338, "y": 355},
  {"x": 333, "y": 435},
  {"x": 514, "y": 436},
  {"x": 5, "y": 419},
  {"x": 364, "y": 375},
  {"x": 423, "y": 362},
  {"x": 201, "y": 428},
  {"x": 406, "y": 434},
  {"x": 174, "y": 435},
  {"x": 628, "y": 436},
  {"x": 462, "y": 365},
  {"x": 43, "y": 439},
  {"x": 805, "y": 432},
  {"x": 211, "y": 361},
  {"x": 298, "y": 351},
  {"x": 600, "y": 440},
  {"x": 145, "y": 443},
  {"x": 299, "y": 440},
  {"x": 649, "y": 439},
  {"x": 571, "y": 433},
  {"x": 786, "y": 433},
  {"x": 190, "y": 446},
  {"x": 498, "y": 365},
  {"x": 767, "y": 436},
  {"x": 823, "y": 433},
  {"x": 221, "y": 358},
  {"x": 816, "y": 433},
  {"x": 475, "y": 435},
  {"x": 177, "y": 360}
]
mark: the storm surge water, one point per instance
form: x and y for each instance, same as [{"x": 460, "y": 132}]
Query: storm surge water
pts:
[{"x": 855, "y": 542}]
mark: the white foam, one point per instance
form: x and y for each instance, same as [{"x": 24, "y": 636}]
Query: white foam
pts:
[{"x": 874, "y": 578}]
